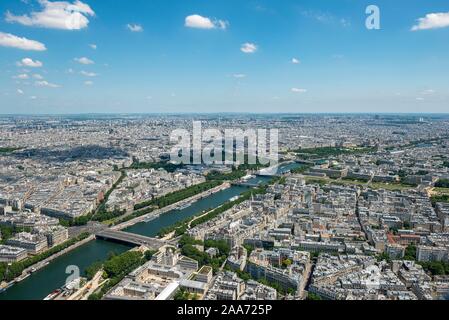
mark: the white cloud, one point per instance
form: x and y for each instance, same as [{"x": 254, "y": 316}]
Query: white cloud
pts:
[
  {"x": 84, "y": 60},
  {"x": 239, "y": 75},
  {"x": 10, "y": 40},
  {"x": 56, "y": 15},
  {"x": 27, "y": 62},
  {"x": 22, "y": 76},
  {"x": 88, "y": 74},
  {"x": 33, "y": 98},
  {"x": 38, "y": 76},
  {"x": 222, "y": 24},
  {"x": 428, "y": 92},
  {"x": 47, "y": 84},
  {"x": 299, "y": 90},
  {"x": 325, "y": 17},
  {"x": 322, "y": 17},
  {"x": 248, "y": 47},
  {"x": 134, "y": 27},
  {"x": 19, "y": 91},
  {"x": 200, "y": 22},
  {"x": 88, "y": 83},
  {"x": 296, "y": 61},
  {"x": 93, "y": 46},
  {"x": 432, "y": 21}
]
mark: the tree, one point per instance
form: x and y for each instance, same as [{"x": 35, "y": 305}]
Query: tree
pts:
[
  {"x": 442, "y": 183},
  {"x": 180, "y": 295},
  {"x": 286, "y": 263},
  {"x": 149, "y": 254},
  {"x": 221, "y": 245},
  {"x": 410, "y": 253},
  {"x": 93, "y": 269},
  {"x": 313, "y": 296},
  {"x": 117, "y": 265},
  {"x": 249, "y": 248}
]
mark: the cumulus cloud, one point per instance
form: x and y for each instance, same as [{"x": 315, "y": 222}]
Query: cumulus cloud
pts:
[
  {"x": 84, "y": 60},
  {"x": 38, "y": 76},
  {"x": 88, "y": 74},
  {"x": 56, "y": 15},
  {"x": 134, "y": 27},
  {"x": 299, "y": 90},
  {"x": 93, "y": 46},
  {"x": 47, "y": 84},
  {"x": 200, "y": 22},
  {"x": 10, "y": 40},
  {"x": 432, "y": 21},
  {"x": 295, "y": 61},
  {"x": 27, "y": 62},
  {"x": 248, "y": 47},
  {"x": 19, "y": 91}
]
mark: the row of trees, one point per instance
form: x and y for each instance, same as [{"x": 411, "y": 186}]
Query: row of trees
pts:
[
  {"x": 439, "y": 198},
  {"x": 8, "y": 149},
  {"x": 442, "y": 183},
  {"x": 301, "y": 169},
  {"x": 149, "y": 206},
  {"x": 323, "y": 152},
  {"x": 436, "y": 268},
  {"x": 167, "y": 166},
  {"x": 177, "y": 196},
  {"x": 116, "y": 268}
]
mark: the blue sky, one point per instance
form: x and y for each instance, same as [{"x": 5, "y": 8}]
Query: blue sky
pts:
[{"x": 151, "y": 56}]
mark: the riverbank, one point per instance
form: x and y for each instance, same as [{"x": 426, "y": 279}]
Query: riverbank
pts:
[{"x": 157, "y": 213}]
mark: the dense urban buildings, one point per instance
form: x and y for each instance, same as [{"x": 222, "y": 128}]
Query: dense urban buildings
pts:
[{"x": 357, "y": 209}]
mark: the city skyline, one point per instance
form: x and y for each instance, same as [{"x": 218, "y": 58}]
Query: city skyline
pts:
[{"x": 222, "y": 57}]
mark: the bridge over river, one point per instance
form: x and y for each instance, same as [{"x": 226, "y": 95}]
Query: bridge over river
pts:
[{"x": 130, "y": 238}]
